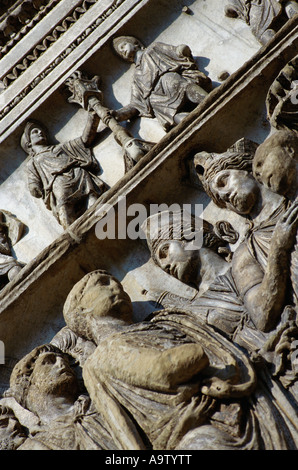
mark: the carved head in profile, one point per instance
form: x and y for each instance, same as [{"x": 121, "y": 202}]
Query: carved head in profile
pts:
[
  {"x": 97, "y": 296},
  {"x": 12, "y": 434},
  {"x": 45, "y": 371},
  {"x": 175, "y": 244},
  {"x": 34, "y": 134},
  {"x": 126, "y": 47},
  {"x": 275, "y": 162},
  {"x": 227, "y": 178}
]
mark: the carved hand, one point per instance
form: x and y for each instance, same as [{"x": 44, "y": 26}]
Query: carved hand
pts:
[{"x": 284, "y": 235}]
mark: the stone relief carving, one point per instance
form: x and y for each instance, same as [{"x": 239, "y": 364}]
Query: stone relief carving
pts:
[
  {"x": 63, "y": 175},
  {"x": 11, "y": 231},
  {"x": 265, "y": 17},
  {"x": 166, "y": 83},
  {"x": 60, "y": 417},
  {"x": 19, "y": 19},
  {"x": 216, "y": 372},
  {"x": 169, "y": 382},
  {"x": 87, "y": 94},
  {"x": 282, "y": 98},
  {"x": 264, "y": 254}
]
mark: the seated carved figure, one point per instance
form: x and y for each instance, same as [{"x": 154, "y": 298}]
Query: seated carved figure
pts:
[
  {"x": 262, "y": 259},
  {"x": 63, "y": 175},
  {"x": 166, "y": 82},
  {"x": 168, "y": 382},
  {"x": 264, "y": 17}
]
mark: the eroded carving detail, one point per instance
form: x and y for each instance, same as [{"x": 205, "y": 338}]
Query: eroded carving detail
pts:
[
  {"x": 86, "y": 93},
  {"x": 265, "y": 17},
  {"x": 264, "y": 254},
  {"x": 282, "y": 98},
  {"x": 166, "y": 84},
  {"x": 11, "y": 231},
  {"x": 63, "y": 175}
]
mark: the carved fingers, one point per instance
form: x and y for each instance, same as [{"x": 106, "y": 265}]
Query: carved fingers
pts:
[{"x": 286, "y": 229}]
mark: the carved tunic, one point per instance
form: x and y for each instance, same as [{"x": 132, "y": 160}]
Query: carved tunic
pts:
[
  {"x": 161, "y": 77},
  {"x": 259, "y": 14},
  {"x": 165, "y": 410},
  {"x": 64, "y": 174}
]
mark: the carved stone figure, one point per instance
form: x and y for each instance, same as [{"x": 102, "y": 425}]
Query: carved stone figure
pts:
[
  {"x": 44, "y": 383},
  {"x": 87, "y": 94},
  {"x": 165, "y": 383},
  {"x": 11, "y": 230},
  {"x": 262, "y": 259},
  {"x": 63, "y": 175},
  {"x": 275, "y": 163},
  {"x": 166, "y": 83},
  {"x": 264, "y": 17},
  {"x": 143, "y": 375},
  {"x": 282, "y": 98}
]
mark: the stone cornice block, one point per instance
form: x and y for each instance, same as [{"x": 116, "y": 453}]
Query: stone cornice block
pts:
[{"x": 66, "y": 54}]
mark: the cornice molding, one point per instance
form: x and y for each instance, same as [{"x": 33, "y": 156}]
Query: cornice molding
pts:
[{"x": 62, "y": 51}]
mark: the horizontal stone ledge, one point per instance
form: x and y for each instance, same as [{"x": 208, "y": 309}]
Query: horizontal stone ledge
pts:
[
  {"x": 66, "y": 55},
  {"x": 191, "y": 133}
]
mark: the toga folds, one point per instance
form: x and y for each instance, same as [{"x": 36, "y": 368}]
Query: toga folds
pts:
[
  {"x": 259, "y": 14},
  {"x": 161, "y": 77},
  {"x": 64, "y": 174}
]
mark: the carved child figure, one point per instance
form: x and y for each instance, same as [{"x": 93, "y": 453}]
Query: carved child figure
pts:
[
  {"x": 63, "y": 175},
  {"x": 166, "y": 83}
]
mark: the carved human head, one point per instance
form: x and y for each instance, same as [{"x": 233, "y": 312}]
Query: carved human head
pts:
[
  {"x": 275, "y": 162},
  {"x": 97, "y": 296},
  {"x": 126, "y": 47},
  {"x": 33, "y": 130},
  {"x": 12, "y": 435},
  {"x": 227, "y": 178},
  {"x": 45, "y": 371},
  {"x": 174, "y": 241}
]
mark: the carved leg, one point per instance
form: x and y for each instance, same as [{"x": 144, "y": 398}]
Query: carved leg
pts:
[
  {"x": 266, "y": 36},
  {"x": 66, "y": 216}
]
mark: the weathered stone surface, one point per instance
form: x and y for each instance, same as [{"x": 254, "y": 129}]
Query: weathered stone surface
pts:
[{"x": 130, "y": 340}]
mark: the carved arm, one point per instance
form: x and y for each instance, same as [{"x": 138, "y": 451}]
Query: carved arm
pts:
[{"x": 265, "y": 299}]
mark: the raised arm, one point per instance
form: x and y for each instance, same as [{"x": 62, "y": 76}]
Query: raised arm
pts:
[
  {"x": 125, "y": 113},
  {"x": 90, "y": 131},
  {"x": 264, "y": 293}
]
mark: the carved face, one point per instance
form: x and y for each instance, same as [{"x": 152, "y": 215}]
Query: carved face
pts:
[
  {"x": 107, "y": 298},
  {"x": 173, "y": 257},
  {"x": 11, "y": 432},
  {"x": 276, "y": 170},
  {"x": 37, "y": 136},
  {"x": 127, "y": 50},
  {"x": 53, "y": 374},
  {"x": 237, "y": 189}
]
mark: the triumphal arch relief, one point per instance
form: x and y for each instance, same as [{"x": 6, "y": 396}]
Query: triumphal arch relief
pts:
[{"x": 148, "y": 225}]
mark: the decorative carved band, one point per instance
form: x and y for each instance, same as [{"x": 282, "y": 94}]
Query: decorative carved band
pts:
[
  {"x": 52, "y": 37},
  {"x": 48, "y": 41},
  {"x": 15, "y": 24}
]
